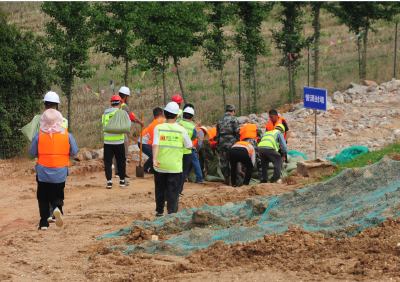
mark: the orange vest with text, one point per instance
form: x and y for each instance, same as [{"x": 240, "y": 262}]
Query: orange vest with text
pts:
[
  {"x": 246, "y": 144},
  {"x": 151, "y": 127},
  {"x": 270, "y": 126},
  {"x": 54, "y": 150},
  {"x": 212, "y": 132},
  {"x": 248, "y": 131}
]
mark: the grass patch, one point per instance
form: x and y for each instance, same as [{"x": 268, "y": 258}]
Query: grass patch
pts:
[{"x": 361, "y": 161}]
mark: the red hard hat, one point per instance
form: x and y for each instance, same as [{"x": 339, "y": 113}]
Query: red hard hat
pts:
[
  {"x": 177, "y": 99},
  {"x": 116, "y": 98}
]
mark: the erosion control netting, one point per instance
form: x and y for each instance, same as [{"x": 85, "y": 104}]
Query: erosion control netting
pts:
[
  {"x": 355, "y": 199},
  {"x": 348, "y": 154}
]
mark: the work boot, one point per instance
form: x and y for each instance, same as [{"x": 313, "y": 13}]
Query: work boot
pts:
[
  {"x": 274, "y": 180},
  {"x": 226, "y": 182},
  {"x": 264, "y": 180}
]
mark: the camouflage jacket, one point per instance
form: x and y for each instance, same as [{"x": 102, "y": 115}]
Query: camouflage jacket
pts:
[{"x": 227, "y": 131}]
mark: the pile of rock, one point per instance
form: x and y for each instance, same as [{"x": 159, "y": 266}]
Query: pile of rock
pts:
[{"x": 89, "y": 154}]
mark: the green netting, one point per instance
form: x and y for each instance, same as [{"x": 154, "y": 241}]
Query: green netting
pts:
[
  {"x": 295, "y": 154},
  {"x": 348, "y": 154},
  {"x": 355, "y": 199}
]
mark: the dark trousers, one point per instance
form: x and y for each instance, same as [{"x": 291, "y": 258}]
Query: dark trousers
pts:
[
  {"x": 185, "y": 167},
  {"x": 119, "y": 152},
  {"x": 49, "y": 195},
  {"x": 270, "y": 155},
  {"x": 167, "y": 187},
  {"x": 126, "y": 141},
  {"x": 240, "y": 155},
  {"x": 148, "y": 151}
]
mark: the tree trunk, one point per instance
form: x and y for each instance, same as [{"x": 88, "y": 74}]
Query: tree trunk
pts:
[
  {"x": 223, "y": 87},
  {"x": 317, "y": 9},
  {"x": 126, "y": 71},
  {"x": 255, "y": 87},
  {"x": 164, "y": 84},
  {"x": 180, "y": 81},
  {"x": 359, "y": 58},
  {"x": 69, "y": 101},
  {"x": 364, "y": 61},
  {"x": 290, "y": 81},
  {"x": 249, "y": 97}
]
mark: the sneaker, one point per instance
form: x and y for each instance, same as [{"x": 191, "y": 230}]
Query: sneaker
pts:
[
  {"x": 58, "y": 216},
  {"x": 123, "y": 183},
  {"x": 128, "y": 161},
  {"x": 51, "y": 220},
  {"x": 109, "y": 185},
  {"x": 42, "y": 228},
  {"x": 181, "y": 195},
  {"x": 274, "y": 180},
  {"x": 116, "y": 176},
  {"x": 126, "y": 176},
  {"x": 159, "y": 214}
]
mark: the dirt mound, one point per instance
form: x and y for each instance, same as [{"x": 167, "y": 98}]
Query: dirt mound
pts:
[{"x": 86, "y": 167}]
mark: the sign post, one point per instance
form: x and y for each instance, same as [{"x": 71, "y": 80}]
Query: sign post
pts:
[{"x": 315, "y": 99}]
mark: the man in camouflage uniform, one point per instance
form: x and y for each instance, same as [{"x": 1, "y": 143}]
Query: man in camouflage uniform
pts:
[
  {"x": 253, "y": 142},
  {"x": 227, "y": 135}
]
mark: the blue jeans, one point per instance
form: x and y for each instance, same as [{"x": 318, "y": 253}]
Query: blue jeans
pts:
[
  {"x": 185, "y": 167},
  {"x": 148, "y": 151},
  {"x": 196, "y": 164}
]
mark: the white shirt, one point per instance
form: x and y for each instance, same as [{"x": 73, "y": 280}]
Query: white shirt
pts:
[{"x": 187, "y": 143}]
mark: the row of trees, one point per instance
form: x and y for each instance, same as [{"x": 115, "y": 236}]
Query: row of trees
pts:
[{"x": 149, "y": 35}]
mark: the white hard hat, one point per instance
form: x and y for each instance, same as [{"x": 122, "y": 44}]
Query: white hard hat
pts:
[
  {"x": 124, "y": 90},
  {"x": 51, "y": 97},
  {"x": 189, "y": 110},
  {"x": 172, "y": 107}
]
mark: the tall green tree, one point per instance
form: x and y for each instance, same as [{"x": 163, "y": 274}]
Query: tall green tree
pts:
[
  {"x": 290, "y": 39},
  {"x": 248, "y": 39},
  {"x": 169, "y": 30},
  {"x": 69, "y": 35},
  {"x": 316, "y": 11},
  {"x": 359, "y": 18},
  {"x": 113, "y": 24},
  {"x": 217, "y": 50},
  {"x": 25, "y": 74}
]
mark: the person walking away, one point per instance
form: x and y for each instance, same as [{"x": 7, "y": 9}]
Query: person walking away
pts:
[
  {"x": 275, "y": 119},
  {"x": 178, "y": 99},
  {"x": 114, "y": 145},
  {"x": 268, "y": 149},
  {"x": 170, "y": 139},
  {"x": 125, "y": 93},
  {"x": 252, "y": 133},
  {"x": 158, "y": 119},
  {"x": 242, "y": 152},
  {"x": 227, "y": 135},
  {"x": 189, "y": 156},
  {"x": 52, "y": 146}
]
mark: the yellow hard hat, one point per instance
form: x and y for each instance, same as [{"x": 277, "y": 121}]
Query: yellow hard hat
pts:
[{"x": 281, "y": 127}]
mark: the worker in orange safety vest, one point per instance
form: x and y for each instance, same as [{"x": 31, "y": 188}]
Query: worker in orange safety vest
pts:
[
  {"x": 241, "y": 152},
  {"x": 252, "y": 133}
]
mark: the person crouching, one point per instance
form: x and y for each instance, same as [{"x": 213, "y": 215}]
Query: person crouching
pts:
[
  {"x": 242, "y": 152},
  {"x": 53, "y": 146}
]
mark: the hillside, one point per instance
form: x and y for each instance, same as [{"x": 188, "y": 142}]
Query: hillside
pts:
[{"x": 338, "y": 67}]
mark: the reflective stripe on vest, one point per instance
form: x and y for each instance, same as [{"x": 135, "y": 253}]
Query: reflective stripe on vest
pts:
[
  {"x": 213, "y": 133},
  {"x": 270, "y": 126},
  {"x": 270, "y": 139},
  {"x": 189, "y": 128},
  {"x": 246, "y": 145},
  {"x": 151, "y": 129},
  {"x": 248, "y": 131},
  {"x": 109, "y": 137},
  {"x": 53, "y": 151},
  {"x": 170, "y": 147}
]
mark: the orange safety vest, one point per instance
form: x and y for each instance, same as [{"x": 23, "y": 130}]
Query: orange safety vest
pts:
[
  {"x": 213, "y": 133},
  {"x": 54, "y": 150},
  {"x": 270, "y": 126},
  {"x": 246, "y": 144},
  {"x": 150, "y": 131},
  {"x": 198, "y": 137},
  {"x": 248, "y": 131}
]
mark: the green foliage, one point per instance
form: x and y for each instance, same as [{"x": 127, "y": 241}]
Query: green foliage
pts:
[
  {"x": 113, "y": 24},
  {"x": 25, "y": 74},
  {"x": 69, "y": 35}
]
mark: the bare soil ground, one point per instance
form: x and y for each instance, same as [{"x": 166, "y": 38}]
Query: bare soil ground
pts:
[{"x": 72, "y": 253}]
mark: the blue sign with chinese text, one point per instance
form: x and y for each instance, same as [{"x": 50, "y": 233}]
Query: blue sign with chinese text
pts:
[{"x": 315, "y": 98}]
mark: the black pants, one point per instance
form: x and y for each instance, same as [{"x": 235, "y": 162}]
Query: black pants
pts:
[
  {"x": 49, "y": 195},
  {"x": 119, "y": 152},
  {"x": 167, "y": 189},
  {"x": 240, "y": 155},
  {"x": 268, "y": 155}
]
